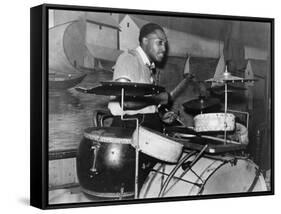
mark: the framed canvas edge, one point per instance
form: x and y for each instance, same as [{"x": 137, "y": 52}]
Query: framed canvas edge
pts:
[{"x": 39, "y": 105}]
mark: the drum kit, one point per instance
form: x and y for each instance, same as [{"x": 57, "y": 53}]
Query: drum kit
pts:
[{"x": 191, "y": 160}]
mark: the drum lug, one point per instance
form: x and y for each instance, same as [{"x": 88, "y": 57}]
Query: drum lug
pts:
[
  {"x": 233, "y": 162},
  {"x": 95, "y": 148},
  {"x": 186, "y": 165},
  {"x": 121, "y": 191}
]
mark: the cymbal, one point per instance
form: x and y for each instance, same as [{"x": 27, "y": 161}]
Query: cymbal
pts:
[
  {"x": 221, "y": 92},
  {"x": 201, "y": 103},
  {"x": 230, "y": 89},
  {"x": 130, "y": 89},
  {"x": 228, "y": 77}
]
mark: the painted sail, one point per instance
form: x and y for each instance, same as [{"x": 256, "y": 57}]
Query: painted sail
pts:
[
  {"x": 249, "y": 74},
  {"x": 219, "y": 71}
]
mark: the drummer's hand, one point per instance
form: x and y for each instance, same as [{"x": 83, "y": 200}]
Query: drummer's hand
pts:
[{"x": 169, "y": 117}]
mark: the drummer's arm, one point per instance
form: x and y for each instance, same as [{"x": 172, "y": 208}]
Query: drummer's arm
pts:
[{"x": 136, "y": 103}]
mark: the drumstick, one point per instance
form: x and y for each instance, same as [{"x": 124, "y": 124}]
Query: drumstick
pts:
[
  {"x": 207, "y": 137},
  {"x": 219, "y": 139}
]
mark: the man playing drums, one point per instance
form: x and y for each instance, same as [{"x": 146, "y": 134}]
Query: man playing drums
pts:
[{"x": 138, "y": 65}]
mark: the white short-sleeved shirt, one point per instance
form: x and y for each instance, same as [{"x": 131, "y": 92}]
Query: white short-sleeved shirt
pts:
[{"x": 133, "y": 66}]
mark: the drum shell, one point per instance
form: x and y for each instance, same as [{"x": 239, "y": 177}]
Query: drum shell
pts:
[
  {"x": 158, "y": 145},
  {"x": 214, "y": 122},
  {"x": 209, "y": 176},
  {"x": 106, "y": 169}
]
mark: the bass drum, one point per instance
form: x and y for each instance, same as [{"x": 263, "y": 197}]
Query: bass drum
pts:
[{"x": 209, "y": 175}]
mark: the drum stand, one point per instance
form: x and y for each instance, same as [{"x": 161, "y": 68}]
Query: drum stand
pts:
[
  {"x": 136, "y": 143},
  {"x": 225, "y": 110},
  {"x": 179, "y": 164}
]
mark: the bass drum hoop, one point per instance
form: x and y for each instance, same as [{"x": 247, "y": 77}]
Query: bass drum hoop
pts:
[{"x": 255, "y": 181}]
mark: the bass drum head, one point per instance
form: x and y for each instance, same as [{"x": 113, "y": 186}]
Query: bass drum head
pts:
[
  {"x": 234, "y": 178},
  {"x": 218, "y": 175}
]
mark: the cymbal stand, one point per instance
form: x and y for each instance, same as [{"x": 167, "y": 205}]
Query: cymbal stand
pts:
[
  {"x": 136, "y": 144},
  {"x": 225, "y": 109}
]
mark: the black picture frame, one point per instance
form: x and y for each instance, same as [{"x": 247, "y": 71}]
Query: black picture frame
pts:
[{"x": 41, "y": 155}]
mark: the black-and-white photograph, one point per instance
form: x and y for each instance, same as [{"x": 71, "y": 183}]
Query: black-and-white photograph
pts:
[{"x": 153, "y": 106}]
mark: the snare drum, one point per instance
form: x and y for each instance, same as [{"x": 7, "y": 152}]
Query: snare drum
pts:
[
  {"x": 106, "y": 162},
  {"x": 209, "y": 175},
  {"x": 214, "y": 122}
]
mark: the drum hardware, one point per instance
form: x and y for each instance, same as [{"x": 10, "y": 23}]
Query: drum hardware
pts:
[
  {"x": 99, "y": 117},
  {"x": 186, "y": 165},
  {"x": 178, "y": 165},
  {"x": 227, "y": 78},
  {"x": 95, "y": 148},
  {"x": 258, "y": 173},
  {"x": 121, "y": 192},
  {"x": 136, "y": 146},
  {"x": 233, "y": 162},
  {"x": 181, "y": 179}
]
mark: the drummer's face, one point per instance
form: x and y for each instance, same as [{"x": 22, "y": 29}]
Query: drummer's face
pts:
[{"x": 155, "y": 45}]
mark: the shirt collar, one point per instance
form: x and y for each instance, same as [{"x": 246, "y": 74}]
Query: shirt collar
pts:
[{"x": 145, "y": 58}]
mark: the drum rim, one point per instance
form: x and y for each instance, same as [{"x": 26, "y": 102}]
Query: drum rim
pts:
[
  {"x": 107, "y": 194},
  {"x": 201, "y": 190},
  {"x": 217, "y": 114},
  {"x": 99, "y": 137}
]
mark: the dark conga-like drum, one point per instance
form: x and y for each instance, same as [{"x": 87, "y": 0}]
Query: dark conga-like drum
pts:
[{"x": 106, "y": 162}]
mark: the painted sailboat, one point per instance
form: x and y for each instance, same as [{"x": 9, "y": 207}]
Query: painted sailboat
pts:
[{"x": 67, "y": 51}]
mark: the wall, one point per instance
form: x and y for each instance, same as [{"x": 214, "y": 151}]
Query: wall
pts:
[
  {"x": 101, "y": 35},
  {"x": 182, "y": 43},
  {"x": 63, "y": 16},
  {"x": 129, "y": 34}
]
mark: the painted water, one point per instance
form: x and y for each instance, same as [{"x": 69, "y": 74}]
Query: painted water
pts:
[{"x": 70, "y": 112}]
